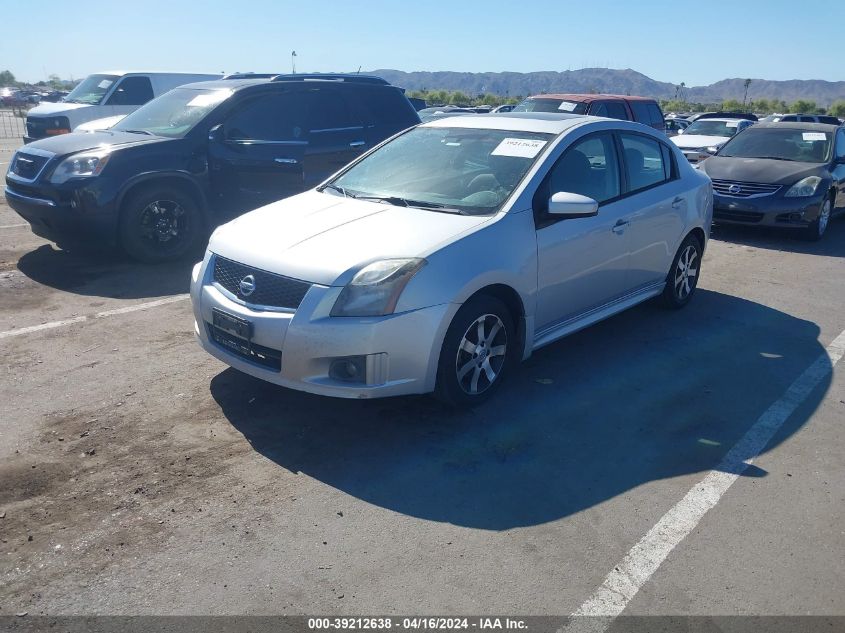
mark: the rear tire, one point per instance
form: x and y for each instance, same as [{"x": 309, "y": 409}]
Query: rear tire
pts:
[
  {"x": 682, "y": 279},
  {"x": 479, "y": 347},
  {"x": 818, "y": 227},
  {"x": 158, "y": 224}
]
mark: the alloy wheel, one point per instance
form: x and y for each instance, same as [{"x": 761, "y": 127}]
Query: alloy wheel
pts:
[
  {"x": 481, "y": 354},
  {"x": 824, "y": 217},
  {"x": 686, "y": 272},
  {"x": 164, "y": 222}
]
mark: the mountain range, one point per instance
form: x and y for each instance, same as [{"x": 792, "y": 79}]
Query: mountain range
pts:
[{"x": 613, "y": 81}]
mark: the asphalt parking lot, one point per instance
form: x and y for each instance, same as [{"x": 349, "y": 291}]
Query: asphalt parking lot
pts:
[{"x": 141, "y": 476}]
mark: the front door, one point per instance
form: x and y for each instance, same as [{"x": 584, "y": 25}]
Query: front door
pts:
[
  {"x": 582, "y": 262},
  {"x": 261, "y": 156}
]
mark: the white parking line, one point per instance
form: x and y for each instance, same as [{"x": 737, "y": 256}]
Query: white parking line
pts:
[
  {"x": 622, "y": 584},
  {"x": 13, "y": 226},
  {"x": 100, "y": 315}
]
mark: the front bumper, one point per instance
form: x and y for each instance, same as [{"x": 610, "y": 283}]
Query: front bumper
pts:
[
  {"x": 775, "y": 210},
  {"x": 401, "y": 350},
  {"x": 64, "y": 214},
  {"x": 694, "y": 156}
]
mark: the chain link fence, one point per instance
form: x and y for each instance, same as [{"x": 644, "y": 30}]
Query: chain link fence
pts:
[{"x": 12, "y": 123}]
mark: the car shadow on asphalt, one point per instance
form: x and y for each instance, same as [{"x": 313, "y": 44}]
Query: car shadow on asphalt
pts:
[
  {"x": 647, "y": 395},
  {"x": 770, "y": 238},
  {"x": 104, "y": 274}
]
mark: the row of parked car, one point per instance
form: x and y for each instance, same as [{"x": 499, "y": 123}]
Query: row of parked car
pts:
[
  {"x": 387, "y": 257},
  {"x": 23, "y": 97}
]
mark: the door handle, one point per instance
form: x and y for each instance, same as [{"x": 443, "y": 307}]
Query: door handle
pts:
[
  {"x": 357, "y": 143},
  {"x": 286, "y": 161},
  {"x": 677, "y": 202},
  {"x": 619, "y": 227}
]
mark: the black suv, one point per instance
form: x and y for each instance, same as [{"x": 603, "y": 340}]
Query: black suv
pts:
[{"x": 156, "y": 182}]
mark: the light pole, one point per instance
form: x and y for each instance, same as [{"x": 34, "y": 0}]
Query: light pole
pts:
[{"x": 293, "y": 62}]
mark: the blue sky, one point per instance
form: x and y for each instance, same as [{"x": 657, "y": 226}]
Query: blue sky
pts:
[{"x": 695, "y": 42}]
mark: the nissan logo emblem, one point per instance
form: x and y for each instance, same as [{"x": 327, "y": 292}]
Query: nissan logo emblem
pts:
[
  {"x": 247, "y": 285},
  {"x": 734, "y": 189}
]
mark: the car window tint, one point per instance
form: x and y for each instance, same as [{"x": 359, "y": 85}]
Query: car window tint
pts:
[
  {"x": 132, "y": 91},
  {"x": 645, "y": 163},
  {"x": 589, "y": 168},
  {"x": 616, "y": 110},
  {"x": 276, "y": 117},
  {"x": 329, "y": 110},
  {"x": 385, "y": 106},
  {"x": 655, "y": 114},
  {"x": 599, "y": 108},
  {"x": 641, "y": 113},
  {"x": 840, "y": 144}
]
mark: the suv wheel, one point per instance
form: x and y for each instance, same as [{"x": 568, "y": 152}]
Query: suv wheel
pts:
[
  {"x": 478, "y": 347},
  {"x": 683, "y": 276},
  {"x": 160, "y": 224}
]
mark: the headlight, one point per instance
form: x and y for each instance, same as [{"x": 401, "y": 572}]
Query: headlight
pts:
[
  {"x": 82, "y": 164},
  {"x": 804, "y": 188},
  {"x": 712, "y": 149},
  {"x": 375, "y": 290}
]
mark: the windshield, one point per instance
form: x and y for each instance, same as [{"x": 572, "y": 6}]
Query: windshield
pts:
[
  {"x": 91, "y": 90},
  {"x": 471, "y": 171},
  {"x": 174, "y": 113},
  {"x": 711, "y": 127},
  {"x": 551, "y": 105},
  {"x": 781, "y": 144}
]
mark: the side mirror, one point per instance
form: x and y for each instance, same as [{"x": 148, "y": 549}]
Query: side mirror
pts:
[
  {"x": 572, "y": 205},
  {"x": 680, "y": 130},
  {"x": 215, "y": 134}
]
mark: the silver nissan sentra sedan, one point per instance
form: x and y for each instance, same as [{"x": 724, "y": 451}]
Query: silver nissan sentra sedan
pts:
[{"x": 439, "y": 259}]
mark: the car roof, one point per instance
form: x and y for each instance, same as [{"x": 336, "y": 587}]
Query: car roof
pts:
[
  {"x": 723, "y": 119},
  {"x": 797, "y": 125},
  {"x": 586, "y": 98},
  {"x": 121, "y": 73},
  {"x": 543, "y": 122},
  {"x": 333, "y": 79}
]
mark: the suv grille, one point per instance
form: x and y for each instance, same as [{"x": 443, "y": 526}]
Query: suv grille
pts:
[
  {"x": 28, "y": 165},
  {"x": 270, "y": 290},
  {"x": 743, "y": 189}
]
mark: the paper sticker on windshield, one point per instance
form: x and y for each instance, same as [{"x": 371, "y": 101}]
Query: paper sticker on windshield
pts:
[
  {"x": 105, "y": 83},
  {"x": 814, "y": 136},
  {"x": 520, "y": 147},
  {"x": 567, "y": 106},
  {"x": 203, "y": 100},
  {"x": 732, "y": 124}
]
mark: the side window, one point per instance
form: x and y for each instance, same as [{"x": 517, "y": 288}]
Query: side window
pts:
[
  {"x": 328, "y": 110},
  {"x": 641, "y": 114},
  {"x": 276, "y": 117},
  {"x": 599, "y": 108},
  {"x": 132, "y": 91},
  {"x": 617, "y": 110},
  {"x": 840, "y": 144},
  {"x": 385, "y": 106},
  {"x": 645, "y": 162},
  {"x": 655, "y": 115},
  {"x": 589, "y": 167}
]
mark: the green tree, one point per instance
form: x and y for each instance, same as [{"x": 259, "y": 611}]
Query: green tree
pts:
[
  {"x": 459, "y": 98},
  {"x": 7, "y": 78},
  {"x": 802, "y": 105},
  {"x": 837, "y": 108},
  {"x": 731, "y": 105}
]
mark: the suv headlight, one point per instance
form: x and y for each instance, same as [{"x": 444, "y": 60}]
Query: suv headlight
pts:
[
  {"x": 79, "y": 165},
  {"x": 375, "y": 289},
  {"x": 804, "y": 188}
]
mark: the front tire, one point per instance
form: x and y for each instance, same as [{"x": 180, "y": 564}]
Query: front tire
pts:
[
  {"x": 817, "y": 228},
  {"x": 479, "y": 347},
  {"x": 683, "y": 276},
  {"x": 160, "y": 224}
]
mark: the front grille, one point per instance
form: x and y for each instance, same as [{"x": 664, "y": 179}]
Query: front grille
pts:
[
  {"x": 745, "y": 189},
  {"x": 27, "y": 165},
  {"x": 737, "y": 216},
  {"x": 271, "y": 290},
  {"x": 264, "y": 356},
  {"x": 36, "y": 127}
]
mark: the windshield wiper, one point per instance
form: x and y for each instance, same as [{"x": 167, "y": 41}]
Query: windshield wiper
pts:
[
  {"x": 138, "y": 132},
  {"x": 405, "y": 202},
  {"x": 337, "y": 188},
  {"x": 792, "y": 160}
]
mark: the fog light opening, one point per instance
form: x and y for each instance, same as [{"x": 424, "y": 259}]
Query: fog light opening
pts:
[{"x": 350, "y": 369}]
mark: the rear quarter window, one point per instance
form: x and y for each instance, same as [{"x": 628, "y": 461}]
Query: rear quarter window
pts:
[
  {"x": 641, "y": 113},
  {"x": 386, "y": 106}
]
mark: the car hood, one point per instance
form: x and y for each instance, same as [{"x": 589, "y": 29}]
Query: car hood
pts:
[
  {"x": 689, "y": 141},
  {"x": 776, "y": 172},
  {"x": 80, "y": 141},
  {"x": 317, "y": 237},
  {"x": 50, "y": 109}
]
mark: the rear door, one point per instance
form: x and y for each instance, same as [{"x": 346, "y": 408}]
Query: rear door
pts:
[
  {"x": 262, "y": 155},
  {"x": 659, "y": 205},
  {"x": 837, "y": 170}
]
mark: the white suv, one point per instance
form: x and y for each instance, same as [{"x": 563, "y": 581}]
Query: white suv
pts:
[{"x": 442, "y": 257}]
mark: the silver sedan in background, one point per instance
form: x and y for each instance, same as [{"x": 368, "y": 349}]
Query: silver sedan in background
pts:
[{"x": 441, "y": 258}]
